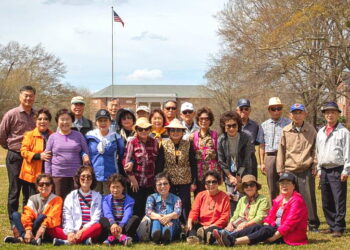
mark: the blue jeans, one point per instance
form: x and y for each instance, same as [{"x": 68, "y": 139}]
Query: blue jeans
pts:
[
  {"x": 16, "y": 218},
  {"x": 157, "y": 226}
]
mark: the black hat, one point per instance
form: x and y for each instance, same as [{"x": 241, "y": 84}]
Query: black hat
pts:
[
  {"x": 287, "y": 176},
  {"x": 330, "y": 106},
  {"x": 243, "y": 103},
  {"x": 102, "y": 113}
]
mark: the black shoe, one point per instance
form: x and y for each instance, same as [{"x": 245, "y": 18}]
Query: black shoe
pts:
[
  {"x": 227, "y": 239},
  {"x": 156, "y": 236},
  {"x": 166, "y": 236},
  {"x": 10, "y": 239}
]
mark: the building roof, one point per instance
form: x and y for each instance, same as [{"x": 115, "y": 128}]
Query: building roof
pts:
[{"x": 178, "y": 91}]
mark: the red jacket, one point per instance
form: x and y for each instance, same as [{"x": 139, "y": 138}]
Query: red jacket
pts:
[{"x": 294, "y": 219}]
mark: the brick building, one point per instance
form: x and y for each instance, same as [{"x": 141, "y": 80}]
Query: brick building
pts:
[{"x": 153, "y": 96}]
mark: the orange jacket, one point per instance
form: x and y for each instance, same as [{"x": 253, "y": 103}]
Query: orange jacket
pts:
[
  {"x": 52, "y": 210},
  {"x": 33, "y": 143}
]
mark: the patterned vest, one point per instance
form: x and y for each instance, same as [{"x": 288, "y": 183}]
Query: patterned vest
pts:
[{"x": 179, "y": 173}]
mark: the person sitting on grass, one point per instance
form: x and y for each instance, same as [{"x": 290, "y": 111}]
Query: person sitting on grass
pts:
[
  {"x": 210, "y": 210},
  {"x": 286, "y": 222},
  {"x": 40, "y": 216},
  {"x": 81, "y": 212},
  {"x": 119, "y": 225},
  {"x": 164, "y": 209},
  {"x": 251, "y": 208}
]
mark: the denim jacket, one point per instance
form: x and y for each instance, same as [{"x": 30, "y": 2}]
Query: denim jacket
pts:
[{"x": 155, "y": 204}]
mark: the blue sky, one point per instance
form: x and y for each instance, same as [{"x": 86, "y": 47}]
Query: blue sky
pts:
[{"x": 163, "y": 41}]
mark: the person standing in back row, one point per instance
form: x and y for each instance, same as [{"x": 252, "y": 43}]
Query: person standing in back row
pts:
[
  {"x": 269, "y": 137},
  {"x": 80, "y": 123}
]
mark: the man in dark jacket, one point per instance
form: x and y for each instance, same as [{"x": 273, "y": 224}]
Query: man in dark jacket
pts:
[{"x": 81, "y": 123}]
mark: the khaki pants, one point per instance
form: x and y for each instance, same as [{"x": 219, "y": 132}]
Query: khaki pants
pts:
[{"x": 272, "y": 176}]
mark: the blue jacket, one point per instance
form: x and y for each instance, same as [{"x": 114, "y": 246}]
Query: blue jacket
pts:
[
  {"x": 107, "y": 209},
  {"x": 105, "y": 164},
  {"x": 154, "y": 203}
]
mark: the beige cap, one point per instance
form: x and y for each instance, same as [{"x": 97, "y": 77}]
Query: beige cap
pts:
[
  {"x": 175, "y": 124},
  {"x": 274, "y": 101},
  {"x": 77, "y": 99},
  {"x": 142, "y": 122}
]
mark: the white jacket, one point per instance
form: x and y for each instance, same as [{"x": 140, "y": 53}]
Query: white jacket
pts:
[{"x": 72, "y": 216}]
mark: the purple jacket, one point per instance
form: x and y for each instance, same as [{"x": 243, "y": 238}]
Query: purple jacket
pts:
[{"x": 107, "y": 209}]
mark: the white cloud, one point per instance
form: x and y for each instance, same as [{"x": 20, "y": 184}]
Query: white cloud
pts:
[
  {"x": 146, "y": 35},
  {"x": 145, "y": 74}
]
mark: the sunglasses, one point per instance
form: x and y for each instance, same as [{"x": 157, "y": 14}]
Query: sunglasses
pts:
[
  {"x": 142, "y": 129},
  {"x": 128, "y": 117},
  {"x": 246, "y": 185},
  {"x": 203, "y": 119},
  {"x": 214, "y": 182},
  {"x": 175, "y": 129},
  {"x": 187, "y": 112},
  {"x": 244, "y": 108},
  {"x": 170, "y": 108},
  {"x": 162, "y": 184},
  {"x": 47, "y": 184},
  {"x": 276, "y": 109},
  {"x": 232, "y": 125},
  {"x": 87, "y": 177}
]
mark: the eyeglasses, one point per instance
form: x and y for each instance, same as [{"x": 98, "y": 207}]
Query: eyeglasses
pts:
[
  {"x": 43, "y": 119},
  {"x": 127, "y": 117},
  {"x": 246, "y": 185},
  {"x": 87, "y": 177},
  {"x": 170, "y": 108},
  {"x": 203, "y": 119},
  {"x": 47, "y": 184},
  {"x": 244, "y": 108},
  {"x": 143, "y": 129},
  {"x": 187, "y": 112},
  {"x": 231, "y": 125},
  {"x": 162, "y": 184},
  {"x": 175, "y": 130},
  {"x": 213, "y": 182},
  {"x": 276, "y": 109}
]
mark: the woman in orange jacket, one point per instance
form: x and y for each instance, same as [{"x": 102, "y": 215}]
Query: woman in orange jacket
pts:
[
  {"x": 41, "y": 215},
  {"x": 33, "y": 154}
]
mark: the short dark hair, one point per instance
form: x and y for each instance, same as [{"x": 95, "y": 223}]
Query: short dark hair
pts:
[
  {"x": 167, "y": 101},
  {"x": 207, "y": 111},
  {"x": 27, "y": 88},
  {"x": 122, "y": 113},
  {"x": 63, "y": 112},
  {"x": 230, "y": 115},
  {"x": 114, "y": 178},
  {"x": 159, "y": 111},
  {"x": 43, "y": 111},
  {"x": 213, "y": 173},
  {"x": 161, "y": 176},
  {"x": 41, "y": 176},
  {"x": 82, "y": 169}
]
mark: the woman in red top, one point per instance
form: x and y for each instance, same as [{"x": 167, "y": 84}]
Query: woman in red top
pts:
[
  {"x": 210, "y": 210},
  {"x": 286, "y": 222}
]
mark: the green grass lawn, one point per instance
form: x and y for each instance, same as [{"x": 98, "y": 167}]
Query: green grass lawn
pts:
[{"x": 317, "y": 241}]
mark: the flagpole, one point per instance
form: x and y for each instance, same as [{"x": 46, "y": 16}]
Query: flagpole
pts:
[{"x": 112, "y": 55}]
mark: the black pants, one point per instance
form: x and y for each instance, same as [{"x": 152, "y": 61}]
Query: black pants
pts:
[
  {"x": 129, "y": 228},
  {"x": 254, "y": 165},
  {"x": 333, "y": 198},
  {"x": 184, "y": 192},
  {"x": 257, "y": 233},
  {"x": 200, "y": 187},
  {"x": 140, "y": 198},
  {"x": 13, "y": 165},
  {"x": 195, "y": 227}
]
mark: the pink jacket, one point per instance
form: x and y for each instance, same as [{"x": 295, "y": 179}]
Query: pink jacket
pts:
[{"x": 294, "y": 219}]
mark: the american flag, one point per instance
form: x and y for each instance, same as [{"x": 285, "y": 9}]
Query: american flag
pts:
[{"x": 117, "y": 18}]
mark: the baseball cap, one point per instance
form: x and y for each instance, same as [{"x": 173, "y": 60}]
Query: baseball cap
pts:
[
  {"x": 287, "y": 176},
  {"x": 187, "y": 106},
  {"x": 142, "y": 108},
  {"x": 103, "y": 113},
  {"x": 243, "y": 103},
  {"x": 77, "y": 99},
  {"x": 297, "y": 106}
]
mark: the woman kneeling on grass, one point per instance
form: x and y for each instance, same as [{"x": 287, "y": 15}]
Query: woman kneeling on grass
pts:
[
  {"x": 164, "y": 209},
  {"x": 119, "y": 225},
  {"x": 210, "y": 210},
  {"x": 286, "y": 222},
  {"x": 81, "y": 211},
  {"x": 41, "y": 215}
]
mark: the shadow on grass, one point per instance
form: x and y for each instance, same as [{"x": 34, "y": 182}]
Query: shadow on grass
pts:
[{"x": 318, "y": 241}]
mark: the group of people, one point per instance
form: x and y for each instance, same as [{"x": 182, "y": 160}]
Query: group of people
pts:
[{"x": 131, "y": 177}]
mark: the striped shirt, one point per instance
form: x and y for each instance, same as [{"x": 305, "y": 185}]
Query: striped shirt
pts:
[
  {"x": 85, "y": 207},
  {"x": 270, "y": 133},
  {"x": 118, "y": 209}
]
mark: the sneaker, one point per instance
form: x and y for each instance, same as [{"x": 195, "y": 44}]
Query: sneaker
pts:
[
  {"x": 88, "y": 242},
  {"x": 192, "y": 240},
  {"x": 59, "y": 242},
  {"x": 218, "y": 238},
  {"x": 10, "y": 239},
  {"x": 210, "y": 238},
  {"x": 227, "y": 239},
  {"x": 166, "y": 236},
  {"x": 201, "y": 234},
  {"x": 156, "y": 236},
  {"x": 127, "y": 241},
  {"x": 36, "y": 242}
]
